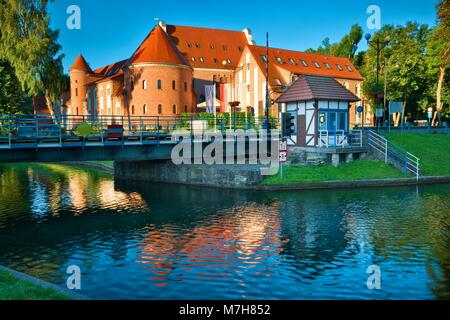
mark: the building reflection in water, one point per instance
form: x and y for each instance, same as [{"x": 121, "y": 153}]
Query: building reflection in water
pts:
[
  {"x": 228, "y": 240},
  {"x": 76, "y": 190}
]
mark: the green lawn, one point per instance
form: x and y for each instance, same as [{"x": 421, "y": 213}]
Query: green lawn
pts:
[
  {"x": 357, "y": 170},
  {"x": 12, "y": 288},
  {"x": 432, "y": 149}
]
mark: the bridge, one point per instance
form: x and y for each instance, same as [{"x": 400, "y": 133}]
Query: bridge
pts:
[{"x": 45, "y": 138}]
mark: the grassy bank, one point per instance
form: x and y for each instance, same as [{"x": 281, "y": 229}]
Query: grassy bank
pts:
[
  {"x": 432, "y": 149},
  {"x": 109, "y": 164},
  {"x": 357, "y": 170},
  {"x": 12, "y": 288}
]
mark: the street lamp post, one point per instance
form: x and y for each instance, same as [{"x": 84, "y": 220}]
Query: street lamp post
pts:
[{"x": 378, "y": 47}]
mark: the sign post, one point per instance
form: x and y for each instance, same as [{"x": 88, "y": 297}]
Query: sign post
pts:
[
  {"x": 283, "y": 151},
  {"x": 430, "y": 116},
  {"x": 378, "y": 115},
  {"x": 360, "y": 110},
  {"x": 395, "y": 107}
]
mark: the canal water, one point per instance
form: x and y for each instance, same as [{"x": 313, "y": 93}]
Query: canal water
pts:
[{"x": 146, "y": 241}]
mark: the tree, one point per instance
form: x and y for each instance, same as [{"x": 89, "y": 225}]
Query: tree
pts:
[
  {"x": 11, "y": 95},
  {"x": 346, "y": 48},
  {"x": 29, "y": 44},
  {"x": 438, "y": 57},
  {"x": 324, "y": 48},
  {"x": 404, "y": 64}
]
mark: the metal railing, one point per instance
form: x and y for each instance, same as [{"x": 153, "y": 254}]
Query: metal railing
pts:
[
  {"x": 340, "y": 139},
  {"x": 47, "y": 131},
  {"x": 394, "y": 154},
  {"x": 324, "y": 139}
]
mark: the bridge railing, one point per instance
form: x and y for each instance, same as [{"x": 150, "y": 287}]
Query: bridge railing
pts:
[{"x": 48, "y": 129}]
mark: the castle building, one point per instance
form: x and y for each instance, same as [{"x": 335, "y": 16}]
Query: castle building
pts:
[{"x": 168, "y": 73}]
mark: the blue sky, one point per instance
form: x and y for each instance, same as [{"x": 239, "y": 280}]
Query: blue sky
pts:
[{"x": 112, "y": 30}]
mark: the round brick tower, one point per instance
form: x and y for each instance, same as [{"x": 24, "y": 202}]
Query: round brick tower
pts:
[
  {"x": 78, "y": 77},
  {"x": 159, "y": 78}
]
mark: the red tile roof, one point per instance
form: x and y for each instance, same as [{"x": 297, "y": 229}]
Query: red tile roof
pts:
[
  {"x": 209, "y": 47},
  {"x": 158, "y": 48},
  {"x": 311, "y": 87},
  {"x": 292, "y": 61},
  {"x": 80, "y": 64},
  {"x": 111, "y": 69}
]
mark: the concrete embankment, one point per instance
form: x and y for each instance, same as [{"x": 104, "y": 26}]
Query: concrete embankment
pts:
[
  {"x": 245, "y": 177},
  {"x": 220, "y": 176}
]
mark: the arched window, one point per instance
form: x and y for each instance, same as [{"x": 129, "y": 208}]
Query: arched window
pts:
[
  {"x": 159, "y": 109},
  {"x": 144, "y": 84},
  {"x": 185, "y": 109},
  {"x": 145, "y": 109},
  {"x": 174, "y": 85},
  {"x": 159, "y": 84},
  {"x": 76, "y": 92},
  {"x": 132, "y": 109},
  {"x": 174, "y": 109},
  {"x": 185, "y": 86}
]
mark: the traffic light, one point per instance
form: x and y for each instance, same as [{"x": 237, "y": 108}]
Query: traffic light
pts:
[{"x": 287, "y": 125}]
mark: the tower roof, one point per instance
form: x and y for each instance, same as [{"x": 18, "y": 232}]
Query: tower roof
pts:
[
  {"x": 158, "y": 48},
  {"x": 80, "y": 64}
]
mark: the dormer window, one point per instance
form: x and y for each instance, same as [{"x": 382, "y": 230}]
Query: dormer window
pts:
[
  {"x": 339, "y": 67},
  {"x": 224, "y": 48},
  {"x": 216, "y": 60},
  {"x": 228, "y": 61},
  {"x": 197, "y": 45},
  {"x": 327, "y": 65},
  {"x": 304, "y": 63},
  {"x": 240, "y": 49},
  {"x": 349, "y": 68},
  {"x": 189, "y": 45},
  {"x": 277, "y": 81},
  {"x": 193, "y": 59},
  {"x": 264, "y": 58},
  {"x": 316, "y": 64},
  {"x": 291, "y": 61},
  {"x": 279, "y": 60},
  {"x": 202, "y": 60},
  {"x": 212, "y": 46}
]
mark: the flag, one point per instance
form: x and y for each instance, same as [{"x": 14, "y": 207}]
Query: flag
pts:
[
  {"x": 223, "y": 98},
  {"x": 228, "y": 97},
  {"x": 210, "y": 94}
]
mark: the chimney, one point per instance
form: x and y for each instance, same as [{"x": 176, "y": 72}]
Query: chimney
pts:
[
  {"x": 249, "y": 36},
  {"x": 163, "y": 25}
]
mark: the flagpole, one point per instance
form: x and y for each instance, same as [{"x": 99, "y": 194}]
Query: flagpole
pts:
[
  {"x": 267, "y": 83},
  {"x": 214, "y": 106}
]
